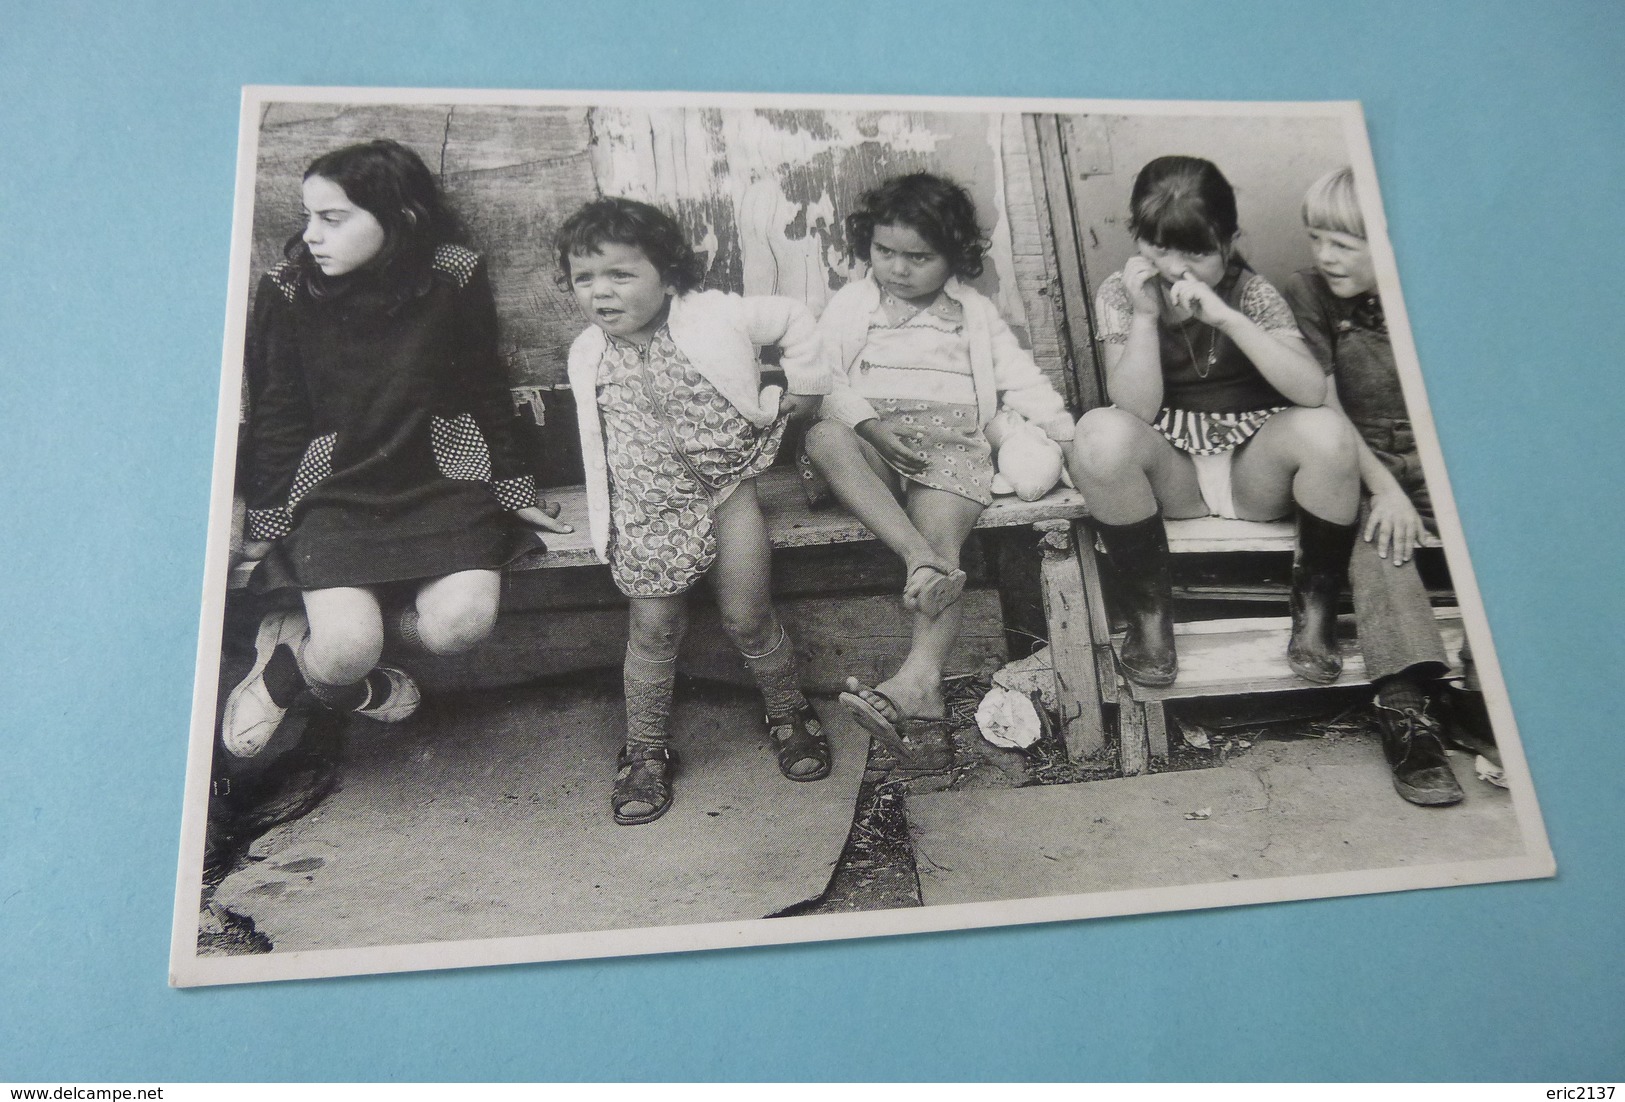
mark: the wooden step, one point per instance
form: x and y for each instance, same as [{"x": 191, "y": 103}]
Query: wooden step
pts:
[
  {"x": 1209, "y": 534},
  {"x": 1233, "y": 657}
]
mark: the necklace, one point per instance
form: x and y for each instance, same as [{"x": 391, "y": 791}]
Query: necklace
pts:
[{"x": 1204, "y": 365}]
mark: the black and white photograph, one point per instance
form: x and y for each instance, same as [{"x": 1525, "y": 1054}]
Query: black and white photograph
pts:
[{"x": 654, "y": 522}]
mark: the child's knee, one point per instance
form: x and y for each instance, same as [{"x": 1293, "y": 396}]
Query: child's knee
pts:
[
  {"x": 824, "y": 436},
  {"x": 753, "y": 629},
  {"x": 454, "y": 626},
  {"x": 1324, "y": 437},
  {"x": 1103, "y": 448},
  {"x": 343, "y": 651},
  {"x": 656, "y": 633}
]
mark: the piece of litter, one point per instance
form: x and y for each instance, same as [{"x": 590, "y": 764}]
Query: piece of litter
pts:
[
  {"x": 1243, "y": 744},
  {"x": 1028, "y": 675},
  {"x": 1200, "y": 813},
  {"x": 1489, "y": 772},
  {"x": 1195, "y": 735},
  {"x": 1008, "y": 719}
]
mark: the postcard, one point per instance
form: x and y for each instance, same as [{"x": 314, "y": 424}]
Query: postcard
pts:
[{"x": 656, "y": 522}]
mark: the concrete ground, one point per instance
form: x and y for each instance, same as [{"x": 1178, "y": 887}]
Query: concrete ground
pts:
[
  {"x": 487, "y": 816},
  {"x": 1283, "y": 807}
]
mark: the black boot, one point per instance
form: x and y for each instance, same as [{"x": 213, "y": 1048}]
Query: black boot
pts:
[
  {"x": 1139, "y": 552},
  {"x": 1318, "y": 573},
  {"x": 1415, "y": 752}
]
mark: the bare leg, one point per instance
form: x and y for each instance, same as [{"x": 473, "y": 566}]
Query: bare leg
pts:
[
  {"x": 741, "y": 580},
  {"x": 741, "y": 574},
  {"x": 1302, "y": 456},
  {"x": 346, "y": 635},
  {"x": 863, "y": 482},
  {"x": 1128, "y": 471},
  {"x": 916, "y": 688},
  {"x": 457, "y": 611}
]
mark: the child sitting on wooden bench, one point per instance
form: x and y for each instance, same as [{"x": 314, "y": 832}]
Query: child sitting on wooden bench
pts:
[
  {"x": 1340, "y": 314},
  {"x": 921, "y": 363}
]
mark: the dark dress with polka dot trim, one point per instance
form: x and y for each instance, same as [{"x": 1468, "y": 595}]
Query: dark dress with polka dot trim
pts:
[{"x": 379, "y": 445}]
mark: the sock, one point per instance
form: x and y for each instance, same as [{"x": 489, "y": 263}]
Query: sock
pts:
[
  {"x": 340, "y": 698},
  {"x": 775, "y": 674},
  {"x": 1400, "y": 693},
  {"x": 378, "y": 689},
  {"x": 406, "y": 625},
  {"x": 283, "y": 679},
  {"x": 649, "y": 685}
]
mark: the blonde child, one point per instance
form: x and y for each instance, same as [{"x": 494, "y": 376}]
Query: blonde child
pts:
[
  {"x": 1217, "y": 408},
  {"x": 1340, "y": 313},
  {"x": 674, "y": 428},
  {"x": 382, "y": 484},
  {"x": 922, "y": 362}
]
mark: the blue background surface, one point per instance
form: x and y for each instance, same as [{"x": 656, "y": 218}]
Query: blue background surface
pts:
[{"x": 1497, "y": 135}]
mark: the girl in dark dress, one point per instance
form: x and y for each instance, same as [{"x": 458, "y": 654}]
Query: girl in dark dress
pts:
[{"x": 377, "y": 465}]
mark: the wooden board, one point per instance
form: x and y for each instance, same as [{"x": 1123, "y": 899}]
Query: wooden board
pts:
[
  {"x": 1232, "y": 657},
  {"x": 1210, "y": 534},
  {"x": 1072, "y": 654},
  {"x": 790, "y": 522}
]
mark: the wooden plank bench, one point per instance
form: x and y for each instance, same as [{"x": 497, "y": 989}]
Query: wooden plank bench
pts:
[
  {"x": 568, "y": 574},
  {"x": 1229, "y": 656}
]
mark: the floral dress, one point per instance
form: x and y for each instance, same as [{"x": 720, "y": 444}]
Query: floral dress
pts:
[{"x": 677, "y": 449}]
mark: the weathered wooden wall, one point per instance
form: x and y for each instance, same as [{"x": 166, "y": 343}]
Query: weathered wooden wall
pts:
[
  {"x": 763, "y": 193},
  {"x": 1269, "y": 161}
]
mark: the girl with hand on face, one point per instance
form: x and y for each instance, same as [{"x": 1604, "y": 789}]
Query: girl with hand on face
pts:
[
  {"x": 921, "y": 364},
  {"x": 675, "y": 426},
  {"x": 383, "y": 487},
  {"x": 1217, "y": 408}
]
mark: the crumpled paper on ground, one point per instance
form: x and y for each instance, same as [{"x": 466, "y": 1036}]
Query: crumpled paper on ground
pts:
[
  {"x": 1029, "y": 675},
  {"x": 1008, "y": 719}
]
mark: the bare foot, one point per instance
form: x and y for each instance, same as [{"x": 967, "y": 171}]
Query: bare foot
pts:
[{"x": 898, "y": 700}]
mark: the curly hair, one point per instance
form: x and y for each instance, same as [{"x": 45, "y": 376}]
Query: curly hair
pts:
[
  {"x": 629, "y": 222},
  {"x": 1183, "y": 203},
  {"x": 936, "y": 208},
  {"x": 391, "y": 183}
]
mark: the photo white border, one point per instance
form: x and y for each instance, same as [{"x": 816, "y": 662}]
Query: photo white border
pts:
[{"x": 188, "y": 969}]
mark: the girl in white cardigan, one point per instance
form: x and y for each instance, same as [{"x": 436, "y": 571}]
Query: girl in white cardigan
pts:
[
  {"x": 674, "y": 428},
  {"x": 922, "y": 362}
]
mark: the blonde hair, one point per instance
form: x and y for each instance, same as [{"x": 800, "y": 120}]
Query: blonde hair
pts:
[{"x": 1330, "y": 204}]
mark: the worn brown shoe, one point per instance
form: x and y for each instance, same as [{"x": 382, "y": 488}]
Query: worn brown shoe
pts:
[{"x": 1411, "y": 742}]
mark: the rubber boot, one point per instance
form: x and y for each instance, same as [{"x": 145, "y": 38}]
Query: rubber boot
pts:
[
  {"x": 1139, "y": 553},
  {"x": 1318, "y": 574}
]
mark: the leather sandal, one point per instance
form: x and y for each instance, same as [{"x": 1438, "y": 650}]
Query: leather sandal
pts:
[
  {"x": 643, "y": 776},
  {"x": 799, "y": 737}
]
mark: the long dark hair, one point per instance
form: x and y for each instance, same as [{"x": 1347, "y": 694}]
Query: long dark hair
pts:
[
  {"x": 391, "y": 183},
  {"x": 937, "y": 209},
  {"x": 628, "y": 222},
  {"x": 1183, "y": 203}
]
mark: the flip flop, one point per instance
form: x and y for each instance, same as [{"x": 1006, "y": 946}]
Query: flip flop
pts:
[
  {"x": 870, "y": 718},
  {"x": 939, "y": 592}
]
